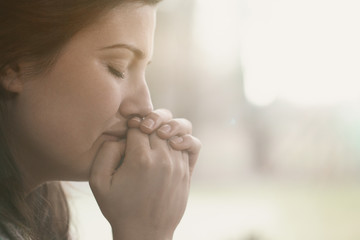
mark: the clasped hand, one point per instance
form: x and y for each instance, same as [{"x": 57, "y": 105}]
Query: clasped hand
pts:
[{"x": 145, "y": 198}]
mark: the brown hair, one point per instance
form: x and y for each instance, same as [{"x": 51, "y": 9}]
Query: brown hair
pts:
[{"x": 35, "y": 31}]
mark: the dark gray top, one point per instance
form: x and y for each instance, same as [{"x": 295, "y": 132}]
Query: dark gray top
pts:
[{"x": 15, "y": 232}]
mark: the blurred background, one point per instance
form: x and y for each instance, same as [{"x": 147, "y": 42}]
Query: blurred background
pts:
[{"x": 273, "y": 90}]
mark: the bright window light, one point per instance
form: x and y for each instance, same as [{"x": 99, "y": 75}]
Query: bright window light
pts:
[
  {"x": 302, "y": 51},
  {"x": 217, "y": 32}
]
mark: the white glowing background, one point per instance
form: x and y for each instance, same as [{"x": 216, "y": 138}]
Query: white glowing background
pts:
[{"x": 305, "y": 52}]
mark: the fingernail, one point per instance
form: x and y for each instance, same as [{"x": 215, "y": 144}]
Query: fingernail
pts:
[
  {"x": 165, "y": 128},
  {"x": 177, "y": 139},
  {"x": 136, "y": 119},
  {"x": 148, "y": 123}
]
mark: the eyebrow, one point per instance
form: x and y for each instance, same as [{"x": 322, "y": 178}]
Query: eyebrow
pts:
[{"x": 137, "y": 52}]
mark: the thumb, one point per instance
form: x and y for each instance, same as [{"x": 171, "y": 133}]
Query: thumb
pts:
[{"x": 106, "y": 161}]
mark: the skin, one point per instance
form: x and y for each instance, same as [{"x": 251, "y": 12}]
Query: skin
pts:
[{"x": 62, "y": 125}]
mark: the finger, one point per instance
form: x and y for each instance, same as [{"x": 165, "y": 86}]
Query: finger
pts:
[
  {"x": 185, "y": 162},
  {"x": 154, "y": 120},
  {"x": 178, "y": 126},
  {"x": 187, "y": 143},
  {"x": 134, "y": 122},
  {"x": 158, "y": 143},
  {"x": 105, "y": 164},
  {"x": 136, "y": 140}
]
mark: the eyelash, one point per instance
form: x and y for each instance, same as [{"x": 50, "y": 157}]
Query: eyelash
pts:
[{"x": 116, "y": 73}]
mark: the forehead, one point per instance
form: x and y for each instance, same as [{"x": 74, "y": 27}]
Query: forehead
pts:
[{"x": 131, "y": 23}]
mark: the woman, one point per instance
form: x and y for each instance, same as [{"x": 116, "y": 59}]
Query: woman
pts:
[{"x": 75, "y": 106}]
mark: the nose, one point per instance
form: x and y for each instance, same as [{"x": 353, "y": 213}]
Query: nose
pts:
[{"x": 137, "y": 101}]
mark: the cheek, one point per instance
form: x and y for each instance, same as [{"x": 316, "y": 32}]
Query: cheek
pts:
[
  {"x": 65, "y": 115},
  {"x": 87, "y": 107}
]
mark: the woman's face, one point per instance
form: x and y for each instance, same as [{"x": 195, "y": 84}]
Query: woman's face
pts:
[{"x": 60, "y": 119}]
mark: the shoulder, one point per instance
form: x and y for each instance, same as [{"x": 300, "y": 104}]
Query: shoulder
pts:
[
  {"x": 12, "y": 230},
  {"x": 3, "y": 236}
]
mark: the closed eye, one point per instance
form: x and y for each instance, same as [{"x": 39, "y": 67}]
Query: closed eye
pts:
[{"x": 115, "y": 72}]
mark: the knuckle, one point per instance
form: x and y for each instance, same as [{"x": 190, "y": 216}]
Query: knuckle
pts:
[
  {"x": 164, "y": 111},
  {"x": 191, "y": 143},
  {"x": 188, "y": 139},
  {"x": 187, "y": 123},
  {"x": 154, "y": 115},
  {"x": 182, "y": 123},
  {"x": 193, "y": 140},
  {"x": 144, "y": 160},
  {"x": 166, "y": 164},
  {"x": 175, "y": 124},
  {"x": 197, "y": 143}
]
